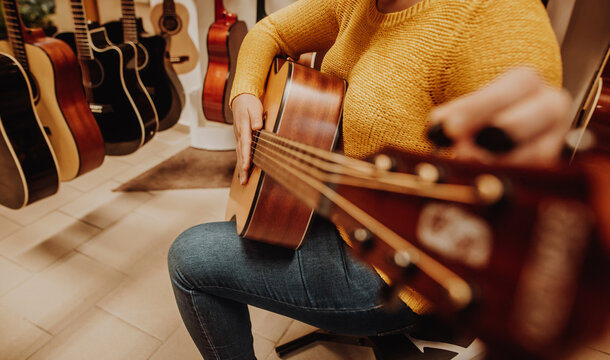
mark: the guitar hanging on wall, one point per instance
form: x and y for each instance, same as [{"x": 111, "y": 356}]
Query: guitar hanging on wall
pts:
[
  {"x": 154, "y": 65},
  {"x": 119, "y": 101},
  {"x": 518, "y": 256},
  {"x": 224, "y": 39},
  {"x": 60, "y": 100},
  {"x": 173, "y": 19},
  {"x": 27, "y": 163}
]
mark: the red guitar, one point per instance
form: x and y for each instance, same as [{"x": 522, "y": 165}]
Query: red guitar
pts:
[
  {"x": 224, "y": 39},
  {"x": 519, "y": 256}
]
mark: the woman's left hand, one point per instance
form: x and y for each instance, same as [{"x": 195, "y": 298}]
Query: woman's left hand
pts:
[{"x": 532, "y": 113}]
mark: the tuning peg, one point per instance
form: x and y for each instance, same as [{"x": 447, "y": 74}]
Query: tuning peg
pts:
[
  {"x": 384, "y": 162},
  {"x": 491, "y": 138},
  {"x": 364, "y": 237}
]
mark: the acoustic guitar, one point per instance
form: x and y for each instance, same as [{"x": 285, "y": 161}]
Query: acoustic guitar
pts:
[
  {"x": 60, "y": 100},
  {"x": 225, "y": 36},
  {"x": 518, "y": 256},
  {"x": 27, "y": 163},
  {"x": 172, "y": 19},
  {"x": 117, "y": 97},
  {"x": 154, "y": 65}
]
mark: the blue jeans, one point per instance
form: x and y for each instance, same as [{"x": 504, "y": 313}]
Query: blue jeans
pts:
[{"x": 215, "y": 274}]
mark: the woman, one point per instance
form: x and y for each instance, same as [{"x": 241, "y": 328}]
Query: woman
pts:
[{"x": 409, "y": 64}]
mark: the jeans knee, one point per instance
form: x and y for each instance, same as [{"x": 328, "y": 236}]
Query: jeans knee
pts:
[{"x": 191, "y": 257}]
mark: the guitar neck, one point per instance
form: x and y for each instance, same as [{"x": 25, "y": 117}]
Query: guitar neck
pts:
[
  {"x": 169, "y": 8},
  {"x": 130, "y": 28},
  {"x": 14, "y": 28},
  {"x": 219, "y": 10},
  {"x": 260, "y": 10},
  {"x": 81, "y": 33}
]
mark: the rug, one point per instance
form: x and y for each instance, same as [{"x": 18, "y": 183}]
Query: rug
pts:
[{"x": 189, "y": 169}]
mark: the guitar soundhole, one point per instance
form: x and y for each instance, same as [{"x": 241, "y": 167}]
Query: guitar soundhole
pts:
[{"x": 171, "y": 24}]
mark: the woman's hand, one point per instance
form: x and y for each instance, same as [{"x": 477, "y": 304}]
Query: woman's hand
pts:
[
  {"x": 532, "y": 113},
  {"x": 247, "y": 116}
]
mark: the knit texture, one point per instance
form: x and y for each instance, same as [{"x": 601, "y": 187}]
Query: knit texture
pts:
[{"x": 400, "y": 65}]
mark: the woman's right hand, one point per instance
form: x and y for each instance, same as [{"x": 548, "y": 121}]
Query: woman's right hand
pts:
[{"x": 247, "y": 116}]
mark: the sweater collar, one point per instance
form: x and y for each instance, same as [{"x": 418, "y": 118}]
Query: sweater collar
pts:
[{"x": 393, "y": 18}]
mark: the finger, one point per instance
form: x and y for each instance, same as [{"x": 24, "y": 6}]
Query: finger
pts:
[
  {"x": 543, "y": 151},
  {"x": 545, "y": 111},
  {"x": 256, "y": 115},
  {"x": 243, "y": 139},
  {"x": 464, "y": 116}
]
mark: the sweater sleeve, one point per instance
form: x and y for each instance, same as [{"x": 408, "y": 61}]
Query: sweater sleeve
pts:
[
  {"x": 503, "y": 34},
  {"x": 304, "y": 26}
]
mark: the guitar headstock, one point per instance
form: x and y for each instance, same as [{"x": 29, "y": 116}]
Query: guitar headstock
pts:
[{"x": 514, "y": 254}]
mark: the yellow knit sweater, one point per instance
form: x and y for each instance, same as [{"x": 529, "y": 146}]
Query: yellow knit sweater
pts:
[{"x": 400, "y": 65}]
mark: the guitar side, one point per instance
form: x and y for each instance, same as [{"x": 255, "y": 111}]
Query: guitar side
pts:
[
  {"x": 263, "y": 209},
  {"x": 28, "y": 164},
  {"x": 183, "y": 53},
  {"x": 70, "y": 97},
  {"x": 224, "y": 40}
]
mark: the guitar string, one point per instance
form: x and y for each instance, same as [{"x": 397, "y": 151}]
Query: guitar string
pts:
[
  {"x": 407, "y": 184},
  {"x": 458, "y": 290}
]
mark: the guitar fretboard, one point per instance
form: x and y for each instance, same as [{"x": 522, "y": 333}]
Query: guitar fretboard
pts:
[
  {"x": 130, "y": 28},
  {"x": 81, "y": 33},
  {"x": 169, "y": 8},
  {"x": 219, "y": 9},
  {"x": 13, "y": 28}
]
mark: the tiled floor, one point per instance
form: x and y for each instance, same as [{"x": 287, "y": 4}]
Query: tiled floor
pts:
[{"x": 83, "y": 273}]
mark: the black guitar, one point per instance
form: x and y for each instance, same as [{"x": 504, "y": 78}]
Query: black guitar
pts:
[
  {"x": 156, "y": 70},
  {"x": 119, "y": 101},
  {"x": 28, "y": 166}
]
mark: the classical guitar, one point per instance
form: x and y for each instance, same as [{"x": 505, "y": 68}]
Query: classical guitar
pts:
[
  {"x": 519, "y": 256},
  {"x": 60, "y": 100},
  {"x": 309, "y": 59},
  {"x": 119, "y": 101},
  {"x": 172, "y": 19},
  {"x": 27, "y": 163},
  {"x": 224, "y": 39},
  {"x": 154, "y": 65}
]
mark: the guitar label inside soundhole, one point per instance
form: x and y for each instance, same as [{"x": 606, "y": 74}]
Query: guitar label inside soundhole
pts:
[{"x": 455, "y": 233}]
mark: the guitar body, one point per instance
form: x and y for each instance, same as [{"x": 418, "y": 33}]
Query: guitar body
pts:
[
  {"x": 61, "y": 105},
  {"x": 183, "y": 53},
  {"x": 263, "y": 209},
  {"x": 27, "y": 162},
  {"x": 156, "y": 72},
  {"x": 224, "y": 39}
]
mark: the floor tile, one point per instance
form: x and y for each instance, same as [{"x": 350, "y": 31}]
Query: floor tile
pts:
[
  {"x": 147, "y": 291},
  {"x": 178, "y": 346},
  {"x": 174, "y": 135},
  {"x": 102, "y": 207},
  {"x": 7, "y": 227},
  {"x": 262, "y": 346},
  {"x": 46, "y": 240},
  {"x": 199, "y": 205},
  {"x": 132, "y": 238},
  {"x": 138, "y": 169},
  {"x": 271, "y": 326},
  {"x": 98, "y": 335},
  {"x": 35, "y": 211},
  {"x": 11, "y": 275},
  {"x": 152, "y": 148},
  {"x": 19, "y": 338},
  {"x": 63, "y": 291},
  {"x": 111, "y": 167}
]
